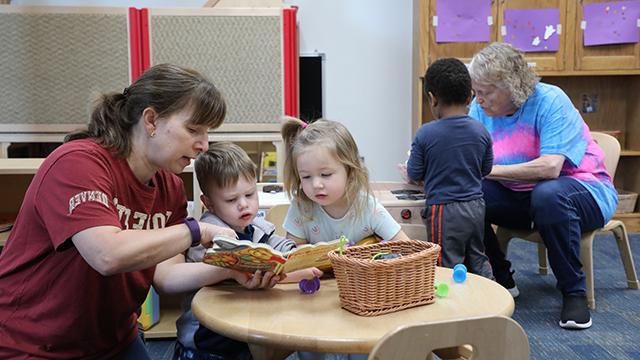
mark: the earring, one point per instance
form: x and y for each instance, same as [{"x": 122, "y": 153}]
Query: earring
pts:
[{"x": 153, "y": 134}]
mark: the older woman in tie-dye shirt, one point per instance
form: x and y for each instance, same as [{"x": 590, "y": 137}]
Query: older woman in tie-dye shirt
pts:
[{"x": 548, "y": 172}]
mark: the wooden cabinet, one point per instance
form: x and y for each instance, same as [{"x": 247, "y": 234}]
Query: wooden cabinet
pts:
[
  {"x": 606, "y": 76},
  {"x": 572, "y": 58},
  {"x": 463, "y": 51},
  {"x": 604, "y": 57},
  {"x": 431, "y": 50},
  {"x": 541, "y": 61}
]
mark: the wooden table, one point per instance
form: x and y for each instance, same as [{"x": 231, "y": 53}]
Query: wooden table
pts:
[{"x": 283, "y": 318}]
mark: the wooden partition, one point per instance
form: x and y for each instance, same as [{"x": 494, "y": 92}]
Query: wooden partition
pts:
[
  {"x": 241, "y": 50},
  {"x": 55, "y": 61}
]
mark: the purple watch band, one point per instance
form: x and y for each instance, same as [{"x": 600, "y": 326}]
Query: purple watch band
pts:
[{"x": 194, "y": 229}]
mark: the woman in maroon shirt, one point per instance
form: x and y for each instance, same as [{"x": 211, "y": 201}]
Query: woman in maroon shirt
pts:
[{"x": 102, "y": 210}]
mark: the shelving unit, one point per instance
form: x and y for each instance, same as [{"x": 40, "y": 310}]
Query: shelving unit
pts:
[
  {"x": 611, "y": 73},
  {"x": 170, "y": 311},
  {"x": 15, "y": 175},
  {"x": 3, "y": 237}
]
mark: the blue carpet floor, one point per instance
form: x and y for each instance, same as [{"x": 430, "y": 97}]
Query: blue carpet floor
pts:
[{"x": 615, "y": 333}]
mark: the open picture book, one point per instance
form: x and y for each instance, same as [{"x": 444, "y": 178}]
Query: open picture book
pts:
[{"x": 245, "y": 255}]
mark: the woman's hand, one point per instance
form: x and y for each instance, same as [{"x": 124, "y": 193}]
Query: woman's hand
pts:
[
  {"x": 545, "y": 167},
  {"x": 257, "y": 280},
  {"x": 402, "y": 169},
  {"x": 296, "y": 276},
  {"x": 208, "y": 231}
]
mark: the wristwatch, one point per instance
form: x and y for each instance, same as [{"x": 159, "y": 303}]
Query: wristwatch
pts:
[{"x": 194, "y": 229}]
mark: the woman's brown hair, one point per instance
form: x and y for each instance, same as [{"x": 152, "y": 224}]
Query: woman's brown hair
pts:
[{"x": 165, "y": 88}]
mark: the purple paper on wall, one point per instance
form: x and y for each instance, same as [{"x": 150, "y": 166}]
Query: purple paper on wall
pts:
[
  {"x": 462, "y": 20},
  {"x": 611, "y": 22},
  {"x": 532, "y": 30}
]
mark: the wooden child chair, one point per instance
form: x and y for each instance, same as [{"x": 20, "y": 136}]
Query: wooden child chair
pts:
[
  {"x": 491, "y": 338},
  {"x": 276, "y": 215},
  {"x": 415, "y": 231}
]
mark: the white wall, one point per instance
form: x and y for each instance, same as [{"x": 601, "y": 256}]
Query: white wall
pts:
[
  {"x": 367, "y": 68},
  {"x": 367, "y": 72}
]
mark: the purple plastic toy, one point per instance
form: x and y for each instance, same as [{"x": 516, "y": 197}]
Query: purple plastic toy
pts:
[{"x": 309, "y": 286}]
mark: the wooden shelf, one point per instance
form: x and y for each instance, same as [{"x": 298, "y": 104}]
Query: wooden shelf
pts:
[
  {"x": 631, "y": 221},
  {"x": 3, "y": 237},
  {"x": 589, "y": 73},
  {"x": 630, "y": 153},
  {"x": 170, "y": 311},
  {"x": 166, "y": 327},
  {"x": 20, "y": 166},
  {"x": 627, "y": 215},
  {"x": 29, "y": 166}
]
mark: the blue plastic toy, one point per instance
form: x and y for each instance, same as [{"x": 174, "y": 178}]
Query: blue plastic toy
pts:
[{"x": 459, "y": 273}]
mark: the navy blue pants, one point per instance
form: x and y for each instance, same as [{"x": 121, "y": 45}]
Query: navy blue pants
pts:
[
  {"x": 559, "y": 209},
  {"x": 135, "y": 351}
]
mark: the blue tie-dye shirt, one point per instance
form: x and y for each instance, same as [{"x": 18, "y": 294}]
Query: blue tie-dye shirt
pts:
[{"x": 548, "y": 123}]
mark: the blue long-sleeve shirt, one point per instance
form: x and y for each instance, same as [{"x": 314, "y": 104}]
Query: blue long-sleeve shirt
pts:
[{"x": 451, "y": 155}]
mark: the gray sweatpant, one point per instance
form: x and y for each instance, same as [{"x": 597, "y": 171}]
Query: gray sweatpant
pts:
[{"x": 458, "y": 228}]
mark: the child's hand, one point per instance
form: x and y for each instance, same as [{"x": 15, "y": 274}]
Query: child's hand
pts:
[
  {"x": 257, "y": 280},
  {"x": 402, "y": 169},
  {"x": 296, "y": 276},
  {"x": 208, "y": 231}
]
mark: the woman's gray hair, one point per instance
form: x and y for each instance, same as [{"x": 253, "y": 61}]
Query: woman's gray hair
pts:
[{"x": 504, "y": 66}]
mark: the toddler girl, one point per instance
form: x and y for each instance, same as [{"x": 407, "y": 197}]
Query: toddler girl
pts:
[{"x": 329, "y": 187}]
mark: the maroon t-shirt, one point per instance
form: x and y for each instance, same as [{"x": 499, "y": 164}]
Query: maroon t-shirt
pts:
[{"x": 52, "y": 303}]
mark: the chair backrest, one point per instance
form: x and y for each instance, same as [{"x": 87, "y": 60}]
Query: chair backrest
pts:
[
  {"x": 492, "y": 338},
  {"x": 611, "y": 148},
  {"x": 276, "y": 216},
  {"x": 415, "y": 231}
]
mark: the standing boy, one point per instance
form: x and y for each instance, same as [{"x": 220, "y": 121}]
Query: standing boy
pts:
[{"x": 451, "y": 155}]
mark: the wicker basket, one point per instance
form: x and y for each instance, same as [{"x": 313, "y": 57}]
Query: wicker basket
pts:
[
  {"x": 626, "y": 201},
  {"x": 374, "y": 287}
]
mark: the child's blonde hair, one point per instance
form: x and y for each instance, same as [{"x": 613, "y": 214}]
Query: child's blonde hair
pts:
[
  {"x": 334, "y": 137},
  {"x": 222, "y": 165}
]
